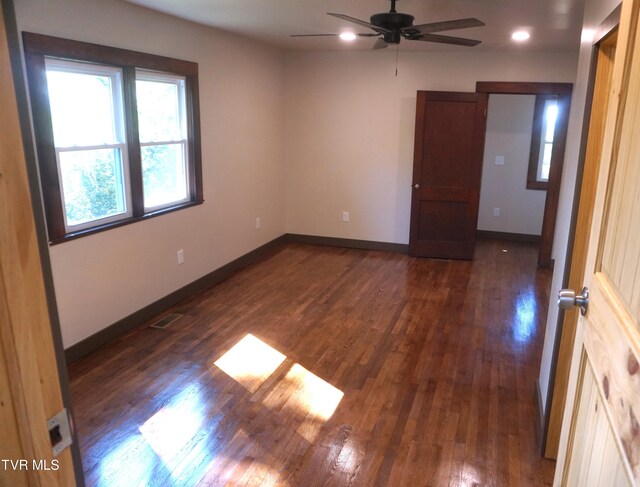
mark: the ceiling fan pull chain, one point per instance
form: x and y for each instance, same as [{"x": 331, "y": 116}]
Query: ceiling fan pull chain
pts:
[{"x": 397, "y": 54}]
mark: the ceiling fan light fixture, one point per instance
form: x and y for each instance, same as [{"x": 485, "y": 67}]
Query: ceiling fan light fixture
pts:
[
  {"x": 348, "y": 36},
  {"x": 520, "y": 36}
]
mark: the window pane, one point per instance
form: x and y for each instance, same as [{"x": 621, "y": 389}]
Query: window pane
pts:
[
  {"x": 164, "y": 174},
  {"x": 551, "y": 111},
  {"x": 92, "y": 184},
  {"x": 82, "y": 108},
  {"x": 159, "y": 117},
  {"x": 546, "y": 162}
]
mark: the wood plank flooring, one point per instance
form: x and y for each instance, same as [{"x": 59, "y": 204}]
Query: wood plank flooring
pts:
[{"x": 328, "y": 366}]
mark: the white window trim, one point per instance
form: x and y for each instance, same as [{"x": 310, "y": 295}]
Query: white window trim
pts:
[
  {"x": 180, "y": 81},
  {"x": 117, "y": 105}
]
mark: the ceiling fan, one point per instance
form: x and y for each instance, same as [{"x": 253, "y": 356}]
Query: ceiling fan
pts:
[{"x": 392, "y": 26}]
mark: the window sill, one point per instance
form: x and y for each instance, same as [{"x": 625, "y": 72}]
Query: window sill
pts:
[
  {"x": 541, "y": 185},
  {"x": 121, "y": 223}
]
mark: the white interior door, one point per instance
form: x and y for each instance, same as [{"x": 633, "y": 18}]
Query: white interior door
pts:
[{"x": 601, "y": 444}]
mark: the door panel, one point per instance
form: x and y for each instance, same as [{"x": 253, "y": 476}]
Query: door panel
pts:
[
  {"x": 28, "y": 369},
  {"x": 602, "y": 465},
  {"x": 611, "y": 324},
  {"x": 446, "y": 173},
  {"x": 611, "y": 341}
]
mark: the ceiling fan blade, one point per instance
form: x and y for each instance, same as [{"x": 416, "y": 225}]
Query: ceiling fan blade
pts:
[
  {"x": 457, "y": 41},
  {"x": 332, "y": 35},
  {"x": 441, "y": 26},
  {"x": 314, "y": 35},
  {"x": 380, "y": 44},
  {"x": 358, "y": 21}
]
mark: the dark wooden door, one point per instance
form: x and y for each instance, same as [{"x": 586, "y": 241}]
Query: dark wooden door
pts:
[{"x": 447, "y": 167}]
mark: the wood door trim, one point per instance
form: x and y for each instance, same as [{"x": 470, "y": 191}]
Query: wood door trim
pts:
[
  {"x": 581, "y": 225},
  {"x": 555, "y": 180},
  {"x": 29, "y": 342},
  {"x": 563, "y": 91},
  {"x": 523, "y": 88},
  {"x": 608, "y": 27}
]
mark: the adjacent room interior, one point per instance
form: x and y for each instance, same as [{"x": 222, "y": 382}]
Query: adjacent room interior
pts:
[{"x": 274, "y": 273}]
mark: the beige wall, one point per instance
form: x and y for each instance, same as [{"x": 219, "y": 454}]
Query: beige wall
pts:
[
  {"x": 294, "y": 139},
  {"x": 102, "y": 278},
  {"x": 595, "y": 12},
  {"x": 509, "y": 126},
  {"x": 350, "y": 126}
]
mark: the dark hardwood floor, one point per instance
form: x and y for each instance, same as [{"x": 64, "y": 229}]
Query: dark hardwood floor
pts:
[{"x": 328, "y": 366}]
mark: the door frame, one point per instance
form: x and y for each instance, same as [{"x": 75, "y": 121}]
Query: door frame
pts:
[
  {"x": 31, "y": 339},
  {"x": 563, "y": 92},
  {"x": 580, "y": 226}
]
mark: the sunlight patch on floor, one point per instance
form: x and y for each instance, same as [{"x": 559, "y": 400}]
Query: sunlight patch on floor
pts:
[
  {"x": 174, "y": 427},
  {"x": 131, "y": 462},
  {"x": 314, "y": 395},
  {"x": 470, "y": 477},
  {"x": 349, "y": 458},
  {"x": 300, "y": 393},
  {"x": 303, "y": 394},
  {"x": 524, "y": 320},
  {"x": 251, "y": 465},
  {"x": 250, "y": 362}
]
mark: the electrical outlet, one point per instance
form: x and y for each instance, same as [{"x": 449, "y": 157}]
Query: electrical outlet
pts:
[
  {"x": 180, "y": 255},
  {"x": 258, "y": 223},
  {"x": 499, "y": 160},
  {"x": 496, "y": 212},
  {"x": 345, "y": 216}
]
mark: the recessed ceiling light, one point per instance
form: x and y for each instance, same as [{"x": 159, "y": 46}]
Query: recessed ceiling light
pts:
[
  {"x": 520, "y": 35},
  {"x": 348, "y": 36}
]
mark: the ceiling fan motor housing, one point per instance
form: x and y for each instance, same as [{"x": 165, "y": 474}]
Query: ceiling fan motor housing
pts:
[{"x": 392, "y": 20}]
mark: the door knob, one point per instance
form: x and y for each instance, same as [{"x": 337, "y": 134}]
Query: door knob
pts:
[
  {"x": 417, "y": 186},
  {"x": 567, "y": 299}
]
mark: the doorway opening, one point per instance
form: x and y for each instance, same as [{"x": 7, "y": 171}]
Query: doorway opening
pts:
[
  {"x": 561, "y": 93},
  {"x": 510, "y": 208}
]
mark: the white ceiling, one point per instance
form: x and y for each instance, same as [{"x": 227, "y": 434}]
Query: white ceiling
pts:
[{"x": 554, "y": 24}]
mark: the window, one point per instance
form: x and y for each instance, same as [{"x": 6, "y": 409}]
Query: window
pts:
[
  {"x": 545, "y": 116},
  {"x": 117, "y": 134},
  {"x": 91, "y": 151},
  {"x": 163, "y": 138}
]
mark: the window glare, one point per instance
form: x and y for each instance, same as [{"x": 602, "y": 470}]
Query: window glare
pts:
[
  {"x": 82, "y": 109},
  {"x": 552, "y": 116},
  {"x": 159, "y": 110}
]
